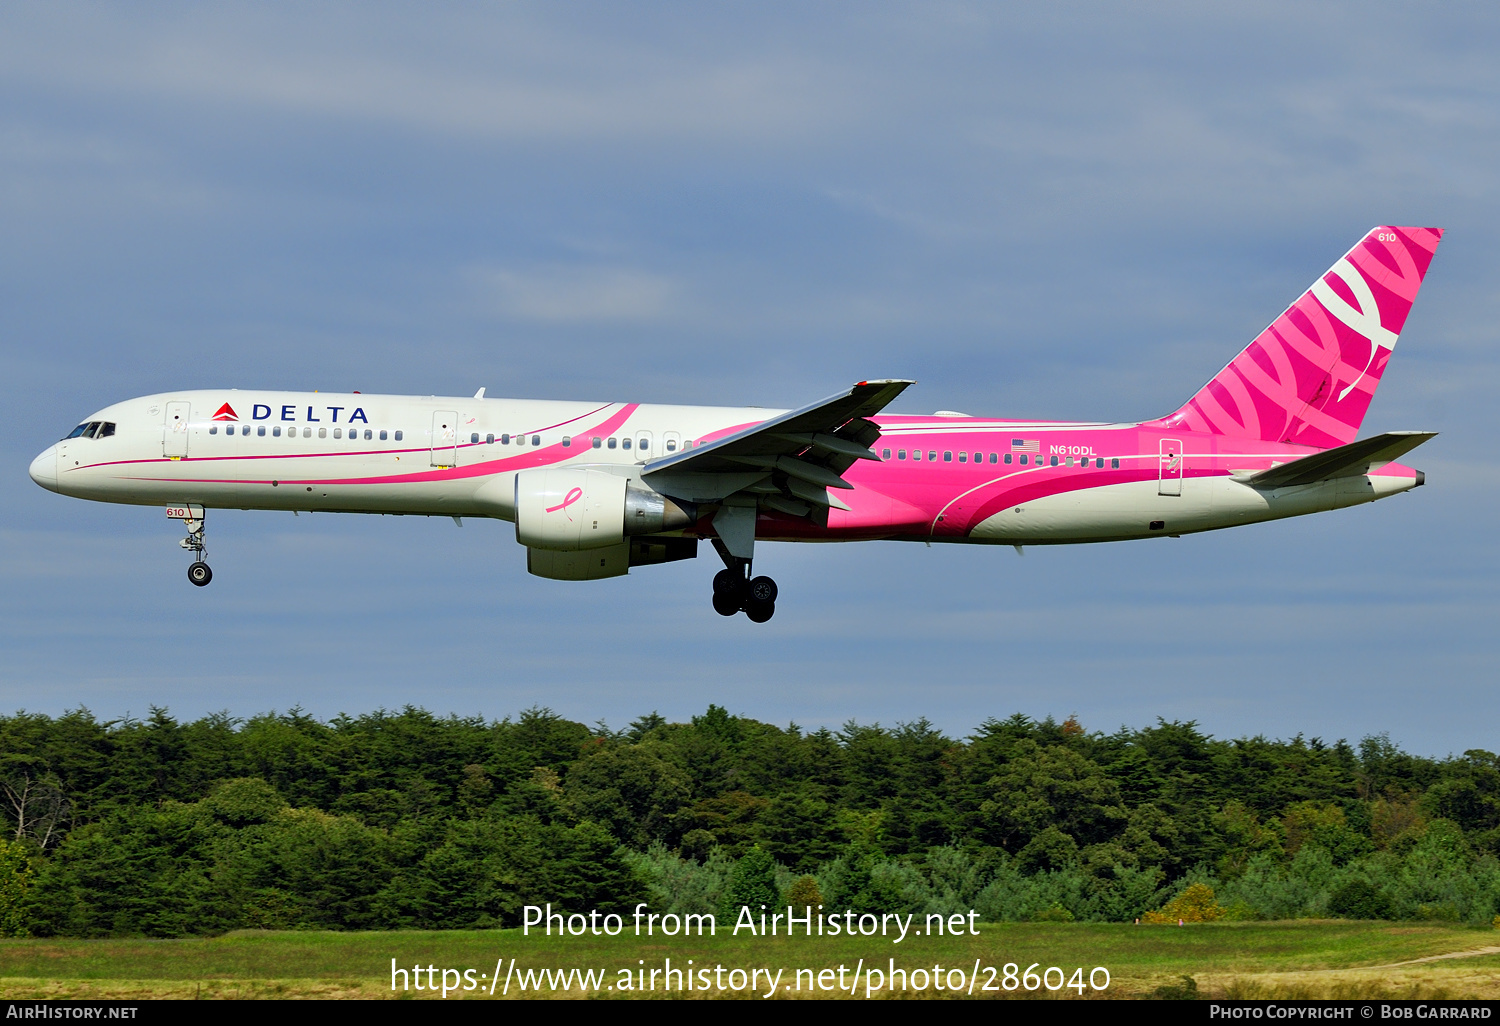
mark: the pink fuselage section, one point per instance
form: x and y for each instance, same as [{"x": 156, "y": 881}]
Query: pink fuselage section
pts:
[{"x": 952, "y": 479}]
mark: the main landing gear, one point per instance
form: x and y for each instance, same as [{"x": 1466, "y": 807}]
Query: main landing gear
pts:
[
  {"x": 198, "y": 573},
  {"x": 736, "y": 590}
]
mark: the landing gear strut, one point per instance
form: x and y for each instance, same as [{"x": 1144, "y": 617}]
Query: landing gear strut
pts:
[
  {"x": 736, "y": 591},
  {"x": 198, "y": 572}
]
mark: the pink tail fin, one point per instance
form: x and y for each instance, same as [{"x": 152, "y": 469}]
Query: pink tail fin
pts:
[{"x": 1310, "y": 376}]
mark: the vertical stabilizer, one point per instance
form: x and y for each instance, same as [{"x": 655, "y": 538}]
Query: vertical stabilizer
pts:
[{"x": 1309, "y": 377}]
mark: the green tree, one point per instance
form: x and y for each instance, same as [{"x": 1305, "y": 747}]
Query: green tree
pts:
[
  {"x": 752, "y": 884},
  {"x": 1324, "y": 825},
  {"x": 804, "y": 894},
  {"x": 1359, "y": 899},
  {"x": 15, "y": 878},
  {"x": 1051, "y": 788},
  {"x": 800, "y": 829},
  {"x": 634, "y": 791},
  {"x": 486, "y": 870}
]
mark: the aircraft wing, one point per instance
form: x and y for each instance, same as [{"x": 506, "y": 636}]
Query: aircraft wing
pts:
[
  {"x": 789, "y": 462},
  {"x": 1352, "y": 460}
]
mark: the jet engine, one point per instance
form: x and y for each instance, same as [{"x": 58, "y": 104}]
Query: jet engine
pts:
[{"x": 570, "y": 509}]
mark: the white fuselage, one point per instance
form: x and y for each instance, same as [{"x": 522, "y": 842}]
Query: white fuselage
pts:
[{"x": 359, "y": 453}]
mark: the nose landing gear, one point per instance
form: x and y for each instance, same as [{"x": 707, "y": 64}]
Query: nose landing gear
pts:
[
  {"x": 198, "y": 572},
  {"x": 736, "y": 591}
]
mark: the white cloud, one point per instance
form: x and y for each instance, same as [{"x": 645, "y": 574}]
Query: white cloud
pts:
[
  {"x": 506, "y": 75},
  {"x": 562, "y": 293}
]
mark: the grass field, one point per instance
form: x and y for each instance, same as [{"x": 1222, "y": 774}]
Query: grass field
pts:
[{"x": 1292, "y": 959}]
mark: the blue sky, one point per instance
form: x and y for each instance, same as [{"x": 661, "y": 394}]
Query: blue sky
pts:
[{"x": 1069, "y": 211}]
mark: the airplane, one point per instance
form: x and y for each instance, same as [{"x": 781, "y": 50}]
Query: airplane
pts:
[{"x": 597, "y": 488}]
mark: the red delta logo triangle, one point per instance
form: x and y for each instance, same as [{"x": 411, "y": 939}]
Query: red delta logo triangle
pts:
[{"x": 226, "y": 412}]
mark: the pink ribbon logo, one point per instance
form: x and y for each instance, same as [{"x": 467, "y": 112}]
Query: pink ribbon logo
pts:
[{"x": 574, "y": 494}]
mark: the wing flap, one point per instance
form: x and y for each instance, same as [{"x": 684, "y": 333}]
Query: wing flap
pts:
[{"x": 812, "y": 446}]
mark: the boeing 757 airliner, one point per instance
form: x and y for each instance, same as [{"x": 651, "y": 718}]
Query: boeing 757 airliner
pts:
[{"x": 597, "y": 488}]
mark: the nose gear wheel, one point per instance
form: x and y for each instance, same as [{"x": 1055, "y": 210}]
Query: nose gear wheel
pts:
[{"x": 199, "y": 572}]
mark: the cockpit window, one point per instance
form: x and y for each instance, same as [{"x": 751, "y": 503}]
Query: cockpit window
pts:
[{"x": 92, "y": 429}]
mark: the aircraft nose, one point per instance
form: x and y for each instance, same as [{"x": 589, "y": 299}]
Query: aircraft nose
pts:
[{"x": 44, "y": 469}]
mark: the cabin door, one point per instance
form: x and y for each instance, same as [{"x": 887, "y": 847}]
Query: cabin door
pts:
[
  {"x": 1170, "y": 467},
  {"x": 174, "y": 439},
  {"x": 445, "y": 438}
]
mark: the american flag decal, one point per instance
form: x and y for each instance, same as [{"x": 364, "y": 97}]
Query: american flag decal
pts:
[{"x": 1025, "y": 445}]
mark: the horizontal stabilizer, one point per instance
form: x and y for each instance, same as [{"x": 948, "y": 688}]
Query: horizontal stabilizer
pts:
[{"x": 1352, "y": 460}]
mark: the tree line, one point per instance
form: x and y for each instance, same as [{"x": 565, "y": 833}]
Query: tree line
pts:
[{"x": 409, "y": 820}]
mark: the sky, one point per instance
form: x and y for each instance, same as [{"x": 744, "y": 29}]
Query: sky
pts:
[{"x": 1064, "y": 211}]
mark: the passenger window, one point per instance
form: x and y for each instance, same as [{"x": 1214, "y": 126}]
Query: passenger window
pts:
[
  {"x": 671, "y": 445},
  {"x": 473, "y": 438},
  {"x": 489, "y": 439},
  {"x": 963, "y": 457},
  {"x": 213, "y": 429},
  {"x": 307, "y": 432},
  {"x": 398, "y": 436},
  {"x": 382, "y": 434},
  {"x": 1007, "y": 457},
  {"x": 688, "y": 444},
  {"x": 611, "y": 443},
  {"x": 1054, "y": 461},
  {"x": 260, "y": 431},
  {"x": 505, "y": 439},
  {"x": 900, "y": 454},
  {"x": 245, "y": 430},
  {"x": 368, "y": 434},
  {"x": 1023, "y": 459},
  {"x": 567, "y": 442},
  {"x": 995, "y": 457},
  {"x": 338, "y": 432},
  {"x": 947, "y": 457},
  {"x": 322, "y": 432},
  {"x": 598, "y": 442},
  {"x": 1114, "y": 463},
  {"x": 1070, "y": 461},
  {"x": 916, "y": 454},
  {"x": 932, "y": 455},
  {"x": 536, "y": 439},
  {"x": 979, "y": 457},
  {"x": 885, "y": 454},
  {"x": 624, "y": 443},
  {"x": 276, "y": 432}
]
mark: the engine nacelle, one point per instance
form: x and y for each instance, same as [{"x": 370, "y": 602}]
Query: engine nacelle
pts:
[{"x": 570, "y": 509}]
